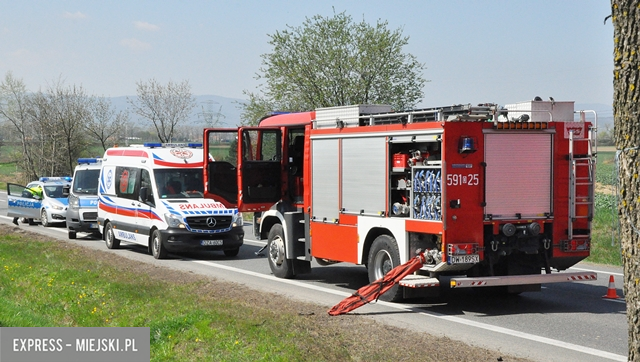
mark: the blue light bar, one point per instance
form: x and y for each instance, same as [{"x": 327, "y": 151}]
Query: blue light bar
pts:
[
  {"x": 87, "y": 161},
  {"x": 152, "y": 144},
  {"x": 64, "y": 178}
]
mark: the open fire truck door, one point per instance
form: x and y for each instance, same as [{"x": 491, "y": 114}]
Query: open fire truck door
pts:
[{"x": 249, "y": 157}]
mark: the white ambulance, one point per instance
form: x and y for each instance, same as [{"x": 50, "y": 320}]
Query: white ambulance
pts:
[{"x": 152, "y": 195}]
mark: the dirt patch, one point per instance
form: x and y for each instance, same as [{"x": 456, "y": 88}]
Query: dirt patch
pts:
[
  {"x": 605, "y": 189},
  {"x": 366, "y": 339}
]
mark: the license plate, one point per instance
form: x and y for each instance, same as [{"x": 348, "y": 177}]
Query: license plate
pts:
[
  {"x": 464, "y": 259},
  {"x": 210, "y": 242},
  {"x": 93, "y": 226}
]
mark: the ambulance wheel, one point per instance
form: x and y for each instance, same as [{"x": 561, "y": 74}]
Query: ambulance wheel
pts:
[
  {"x": 280, "y": 266},
  {"x": 71, "y": 234},
  {"x": 383, "y": 257},
  {"x": 43, "y": 218},
  {"x": 157, "y": 249},
  {"x": 110, "y": 237},
  {"x": 232, "y": 252}
]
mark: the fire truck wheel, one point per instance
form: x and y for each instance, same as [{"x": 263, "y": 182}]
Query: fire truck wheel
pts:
[
  {"x": 158, "y": 250},
  {"x": 110, "y": 237},
  {"x": 43, "y": 218},
  {"x": 383, "y": 257},
  {"x": 280, "y": 266}
]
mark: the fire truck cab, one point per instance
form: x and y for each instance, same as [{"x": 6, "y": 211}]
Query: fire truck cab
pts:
[{"x": 493, "y": 196}]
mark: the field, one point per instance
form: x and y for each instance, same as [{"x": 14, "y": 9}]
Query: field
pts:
[{"x": 605, "y": 246}]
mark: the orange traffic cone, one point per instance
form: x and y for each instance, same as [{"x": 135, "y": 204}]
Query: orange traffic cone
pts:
[{"x": 611, "y": 291}]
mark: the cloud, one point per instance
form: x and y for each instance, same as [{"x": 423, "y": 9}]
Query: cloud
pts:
[
  {"x": 76, "y": 15},
  {"x": 143, "y": 25},
  {"x": 135, "y": 44}
]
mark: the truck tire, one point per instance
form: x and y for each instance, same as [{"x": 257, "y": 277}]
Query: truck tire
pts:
[
  {"x": 157, "y": 249},
  {"x": 110, "y": 237},
  {"x": 384, "y": 256},
  {"x": 280, "y": 266},
  {"x": 43, "y": 218}
]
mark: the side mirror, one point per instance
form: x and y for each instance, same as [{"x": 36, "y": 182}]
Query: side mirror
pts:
[{"x": 66, "y": 190}]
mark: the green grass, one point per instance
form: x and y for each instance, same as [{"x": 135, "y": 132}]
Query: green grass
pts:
[
  {"x": 605, "y": 246},
  {"x": 45, "y": 284}
]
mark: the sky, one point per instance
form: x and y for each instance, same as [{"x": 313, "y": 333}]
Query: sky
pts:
[{"x": 474, "y": 51}]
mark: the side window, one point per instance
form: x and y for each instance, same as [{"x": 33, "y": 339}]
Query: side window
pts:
[
  {"x": 127, "y": 182},
  {"x": 145, "y": 181}
]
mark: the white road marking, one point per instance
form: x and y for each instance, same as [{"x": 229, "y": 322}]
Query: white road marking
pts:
[
  {"x": 496, "y": 329},
  {"x": 506, "y": 331}
]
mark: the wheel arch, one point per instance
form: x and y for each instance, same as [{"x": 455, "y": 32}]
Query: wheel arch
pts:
[
  {"x": 368, "y": 241},
  {"x": 149, "y": 244},
  {"x": 270, "y": 218},
  {"x": 104, "y": 228}
]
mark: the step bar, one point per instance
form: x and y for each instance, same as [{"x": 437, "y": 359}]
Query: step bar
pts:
[{"x": 464, "y": 282}]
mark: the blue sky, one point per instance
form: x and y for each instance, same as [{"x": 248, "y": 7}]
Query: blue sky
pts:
[{"x": 474, "y": 51}]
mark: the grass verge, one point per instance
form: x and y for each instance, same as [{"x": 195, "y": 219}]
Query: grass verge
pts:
[{"x": 191, "y": 318}]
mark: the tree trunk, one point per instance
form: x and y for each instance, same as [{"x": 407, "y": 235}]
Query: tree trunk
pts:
[{"x": 626, "y": 110}]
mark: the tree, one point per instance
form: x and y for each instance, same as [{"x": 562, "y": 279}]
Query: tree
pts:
[
  {"x": 165, "y": 106},
  {"x": 333, "y": 61},
  {"x": 58, "y": 116},
  {"x": 14, "y": 109},
  {"x": 105, "y": 122},
  {"x": 626, "y": 114}
]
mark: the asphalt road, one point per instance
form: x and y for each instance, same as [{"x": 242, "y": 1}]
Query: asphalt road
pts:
[{"x": 563, "y": 322}]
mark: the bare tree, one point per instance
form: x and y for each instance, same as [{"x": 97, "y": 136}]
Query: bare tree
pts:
[
  {"x": 14, "y": 109},
  {"x": 58, "y": 115},
  {"x": 165, "y": 106},
  {"x": 106, "y": 122},
  {"x": 625, "y": 15}
]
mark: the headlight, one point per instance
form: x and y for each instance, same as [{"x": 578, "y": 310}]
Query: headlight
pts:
[
  {"x": 174, "y": 221},
  {"x": 57, "y": 207},
  {"x": 237, "y": 220},
  {"x": 74, "y": 202}
]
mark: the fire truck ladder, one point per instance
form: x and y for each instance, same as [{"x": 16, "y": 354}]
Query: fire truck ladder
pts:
[
  {"x": 581, "y": 185},
  {"x": 461, "y": 112}
]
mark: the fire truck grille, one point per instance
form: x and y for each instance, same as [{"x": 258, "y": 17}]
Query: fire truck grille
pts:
[
  {"x": 90, "y": 216},
  {"x": 218, "y": 222}
]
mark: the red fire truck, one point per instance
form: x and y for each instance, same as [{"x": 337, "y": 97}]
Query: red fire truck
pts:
[{"x": 492, "y": 195}]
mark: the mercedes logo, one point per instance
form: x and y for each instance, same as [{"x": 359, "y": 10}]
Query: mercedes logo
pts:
[{"x": 211, "y": 222}]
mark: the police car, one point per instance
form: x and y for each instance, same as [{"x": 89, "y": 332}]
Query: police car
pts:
[{"x": 49, "y": 205}]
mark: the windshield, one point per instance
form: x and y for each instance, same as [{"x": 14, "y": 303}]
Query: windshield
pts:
[
  {"x": 86, "y": 182},
  {"x": 179, "y": 184},
  {"x": 53, "y": 191}
]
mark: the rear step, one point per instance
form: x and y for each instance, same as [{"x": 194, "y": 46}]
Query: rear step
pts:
[
  {"x": 463, "y": 282},
  {"x": 419, "y": 281}
]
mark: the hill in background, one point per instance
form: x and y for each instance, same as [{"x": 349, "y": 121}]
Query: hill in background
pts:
[{"x": 222, "y": 108}]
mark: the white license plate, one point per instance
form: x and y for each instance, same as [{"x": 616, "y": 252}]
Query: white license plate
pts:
[
  {"x": 464, "y": 259},
  {"x": 210, "y": 242}
]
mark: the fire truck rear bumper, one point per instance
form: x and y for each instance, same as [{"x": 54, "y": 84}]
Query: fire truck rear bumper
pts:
[
  {"x": 183, "y": 240},
  {"x": 463, "y": 282}
]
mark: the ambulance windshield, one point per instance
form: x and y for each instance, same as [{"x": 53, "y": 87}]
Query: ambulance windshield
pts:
[{"x": 179, "y": 183}]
